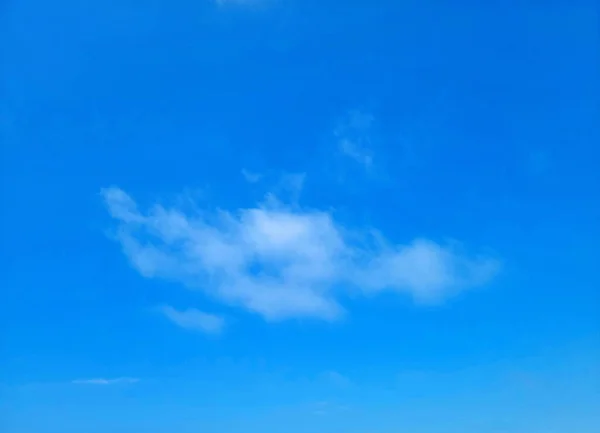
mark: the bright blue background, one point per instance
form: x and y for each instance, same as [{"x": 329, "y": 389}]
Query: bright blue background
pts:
[{"x": 486, "y": 130}]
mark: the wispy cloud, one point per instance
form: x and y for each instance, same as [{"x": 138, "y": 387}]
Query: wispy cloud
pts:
[
  {"x": 100, "y": 381},
  {"x": 326, "y": 407},
  {"x": 353, "y": 136},
  {"x": 290, "y": 186},
  {"x": 240, "y": 2},
  {"x": 284, "y": 261},
  {"x": 357, "y": 153},
  {"x": 293, "y": 181},
  {"x": 194, "y": 319},
  {"x": 337, "y": 379},
  {"x": 251, "y": 176}
]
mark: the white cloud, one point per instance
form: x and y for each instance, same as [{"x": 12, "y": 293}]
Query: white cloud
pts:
[
  {"x": 194, "y": 319},
  {"x": 284, "y": 261},
  {"x": 118, "y": 380}
]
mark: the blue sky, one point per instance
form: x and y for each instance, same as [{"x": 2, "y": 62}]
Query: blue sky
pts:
[{"x": 300, "y": 216}]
